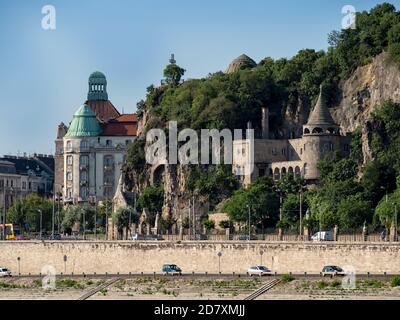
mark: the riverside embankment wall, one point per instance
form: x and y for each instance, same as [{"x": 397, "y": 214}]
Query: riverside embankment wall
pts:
[{"x": 199, "y": 256}]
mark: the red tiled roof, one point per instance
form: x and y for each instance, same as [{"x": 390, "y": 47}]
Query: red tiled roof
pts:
[
  {"x": 131, "y": 117},
  {"x": 124, "y": 125},
  {"x": 104, "y": 110},
  {"x": 119, "y": 129}
]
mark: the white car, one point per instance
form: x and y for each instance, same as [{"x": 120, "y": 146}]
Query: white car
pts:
[
  {"x": 323, "y": 236},
  {"x": 4, "y": 272},
  {"x": 259, "y": 271}
]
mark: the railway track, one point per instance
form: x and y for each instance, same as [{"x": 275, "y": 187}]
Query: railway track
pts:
[
  {"x": 97, "y": 289},
  {"x": 263, "y": 289}
]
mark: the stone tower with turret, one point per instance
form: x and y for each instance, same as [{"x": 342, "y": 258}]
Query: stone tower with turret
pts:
[{"x": 321, "y": 137}]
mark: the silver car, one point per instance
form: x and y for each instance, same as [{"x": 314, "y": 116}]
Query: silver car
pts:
[
  {"x": 332, "y": 271},
  {"x": 4, "y": 272},
  {"x": 259, "y": 271}
]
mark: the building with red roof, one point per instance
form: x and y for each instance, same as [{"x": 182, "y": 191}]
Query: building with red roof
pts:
[{"x": 91, "y": 150}]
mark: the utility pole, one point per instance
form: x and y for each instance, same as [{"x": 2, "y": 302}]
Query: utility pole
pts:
[
  {"x": 95, "y": 215},
  {"x": 41, "y": 221},
  {"x": 301, "y": 212},
  {"x": 189, "y": 221},
  {"x": 194, "y": 220},
  {"x": 248, "y": 207},
  {"x": 58, "y": 212},
  {"x": 53, "y": 214},
  {"x": 107, "y": 217},
  {"x": 4, "y": 217},
  {"x": 84, "y": 224}
]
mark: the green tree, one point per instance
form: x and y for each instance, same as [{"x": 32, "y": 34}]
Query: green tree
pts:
[
  {"x": 123, "y": 216},
  {"x": 208, "y": 224},
  {"x": 152, "y": 198},
  {"x": 260, "y": 198},
  {"x": 353, "y": 212},
  {"x": 386, "y": 209},
  {"x": 173, "y": 74},
  {"x": 78, "y": 214},
  {"x": 26, "y": 213}
]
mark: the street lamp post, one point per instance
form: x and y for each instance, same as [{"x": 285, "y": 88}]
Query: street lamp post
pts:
[
  {"x": 84, "y": 224},
  {"x": 219, "y": 254},
  {"x": 4, "y": 216},
  {"x": 41, "y": 222},
  {"x": 301, "y": 213},
  {"x": 248, "y": 207},
  {"x": 53, "y": 215},
  {"x": 107, "y": 217},
  {"x": 95, "y": 216}
]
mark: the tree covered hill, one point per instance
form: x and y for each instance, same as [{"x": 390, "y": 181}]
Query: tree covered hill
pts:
[
  {"x": 288, "y": 87},
  {"x": 230, "y": 100}
]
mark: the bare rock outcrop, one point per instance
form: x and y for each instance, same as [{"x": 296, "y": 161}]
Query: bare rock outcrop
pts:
[{"x": 366, "y": 88}]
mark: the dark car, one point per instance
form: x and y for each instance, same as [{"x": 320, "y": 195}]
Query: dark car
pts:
[
  {"x": 332, "y": 271},
  {"x": 247, "y": 237},
  {"x": 55, "y": 236},
  {"x": 199, "y": 236}
]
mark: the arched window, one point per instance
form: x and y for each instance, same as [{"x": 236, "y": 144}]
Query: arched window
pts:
[
  {"x": 69, "y": 146},
  {"x": 330, "y": 130},
  {"x": 290, "y": 171},
  {"x": 283, "y": 171},
  {"x": 306, "y": 131},
  {"x": 84, "y": 145},
  {"x": 84, "y": 192},
  {"x": 297, "y": 172},
  {"x": 317, "y": 130},
  {"x": 277, "y": 174}
]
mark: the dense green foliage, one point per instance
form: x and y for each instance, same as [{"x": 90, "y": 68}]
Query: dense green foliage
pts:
[
  {"x": 173, "y": 74},
  {"x": 26, "y": 213},
  {"x": 215, "y": 183},
  {"x": 123, "y": 216},
  {"x": 152, "y": 199},
  {"x": 78, "y": 215},
  {"x": 259, "y": 199}
]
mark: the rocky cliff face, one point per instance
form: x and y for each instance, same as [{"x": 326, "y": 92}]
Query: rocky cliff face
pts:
[
  {"x": 367, "y": 87},
  {"x": 359, "y": 95}
]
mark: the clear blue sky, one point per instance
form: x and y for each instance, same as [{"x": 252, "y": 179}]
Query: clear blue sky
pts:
[{"x": 43, "y": 74}]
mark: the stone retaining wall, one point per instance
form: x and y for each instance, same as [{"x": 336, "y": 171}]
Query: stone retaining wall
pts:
[{"x": 199, "y": 256}]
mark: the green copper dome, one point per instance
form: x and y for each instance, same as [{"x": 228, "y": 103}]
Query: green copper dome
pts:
[
  {"x": 84, "y": 124},
  {"x": 97, "y": 86}
]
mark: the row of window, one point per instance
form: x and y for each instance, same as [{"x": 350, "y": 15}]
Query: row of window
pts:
[
  {"x": 84, "y": 144},
  {"x": 83, "y": 160},
  {"x": 84, "y": 192},
  {"x": 11, "y": 184}
]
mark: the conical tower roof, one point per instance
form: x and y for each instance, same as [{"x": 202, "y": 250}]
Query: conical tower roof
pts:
[
  {"x": 320, "y": 115},
  {"x": 84, "y": 124}
]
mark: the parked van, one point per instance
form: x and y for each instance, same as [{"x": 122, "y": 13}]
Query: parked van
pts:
[
  {"x": 323, "y": 236},
  {"x": 171, "y": 269}
]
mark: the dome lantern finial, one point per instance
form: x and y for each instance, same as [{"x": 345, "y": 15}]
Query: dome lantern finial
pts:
[
  {"x": 172, "y": 59},
  {"x": 97, "y": 86}
]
